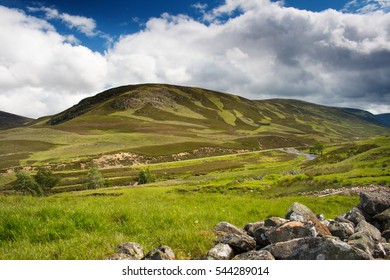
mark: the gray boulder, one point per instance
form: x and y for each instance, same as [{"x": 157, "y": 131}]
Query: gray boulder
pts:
[
  {"x": 369, "y": 230},
  {"x": 238, "y": 242},
  {"x": 363, "y": 242},
  {"x": 252, "y": 227},
  {"x": 301, "y": 213},
  {"x": 290, "y": 230},
  {"x": 341, "y": 229},
  {"x": 128, "y": 251},
  {"x": 255, "y": 255},
  {"x": 374, "y": 203},
  {"x": 261, "y": 235},
  {"x": 274, "y": 221},
  {"x": 383, "y": 219},
  {"x": 386, "y": 235},
  {"x": 160, "y": 253},
  {"x": 220, "y": 251},
  {"x": 316, "y": 248},
  {"x": 355, "y": 215},
  {"x": 223, "y": 228}
]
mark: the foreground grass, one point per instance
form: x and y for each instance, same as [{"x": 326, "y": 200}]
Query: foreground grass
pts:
[{"x": 78, "y": 226}]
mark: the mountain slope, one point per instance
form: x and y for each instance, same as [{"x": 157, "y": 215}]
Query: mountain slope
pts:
[
  {"x": 383, "y": 119},
  {"x": 166, "y": 122},
  {"x": 8, "y": 120}
]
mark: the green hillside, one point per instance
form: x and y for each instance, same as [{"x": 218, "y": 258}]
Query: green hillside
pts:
[{"x": 161, "y": 120}]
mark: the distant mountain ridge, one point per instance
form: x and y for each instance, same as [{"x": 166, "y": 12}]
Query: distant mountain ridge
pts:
[
  {"x": 8, "y": 120},
  {"x": 160, "y": 104}
]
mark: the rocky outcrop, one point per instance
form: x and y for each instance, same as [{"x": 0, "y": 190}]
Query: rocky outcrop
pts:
[
  {"x": 360, "y": 234},
  {"x": 134, "y": 251}
]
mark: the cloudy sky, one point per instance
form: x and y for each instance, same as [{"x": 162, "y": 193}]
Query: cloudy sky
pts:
[{"x": 331, "y": 52}]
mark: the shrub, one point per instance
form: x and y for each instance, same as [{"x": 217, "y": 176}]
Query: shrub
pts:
[
  {"x": 144, "y": 177},
  {"x": 26, "y": 184},
  {"x": 46, "y": 179},
  {"x": 96, "y": 180}
]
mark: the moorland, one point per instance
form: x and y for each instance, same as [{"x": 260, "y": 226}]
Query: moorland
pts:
[{"x": 209, "y": 157}]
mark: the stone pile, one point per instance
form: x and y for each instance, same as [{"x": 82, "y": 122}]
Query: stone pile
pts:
[{"x": 363, "y": 233}]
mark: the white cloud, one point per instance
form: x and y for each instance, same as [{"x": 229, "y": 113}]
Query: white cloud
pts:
[
  {"x": 367, "y": 6},
  {"x": 41, "y": 72},
  {"x": 263, "y": 51}
]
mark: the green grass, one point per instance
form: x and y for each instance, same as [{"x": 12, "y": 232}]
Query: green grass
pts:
[{"x": 78, "y": 226}]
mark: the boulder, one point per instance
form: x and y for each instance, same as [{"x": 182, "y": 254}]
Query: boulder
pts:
[
  {"x": 316, "y": 248},
  {"x": 255, "y": 255},
  {"x": 224, "y": 228},
  {"x": 220, "y": 251},
  {"x": 341, "y": 229},
  {"x": 128, "y": 251},
  {"x": 301, "y": 213},
  {"x": 238, "y": 242},
  {"x": 386, "y": 235},
  {"x": 374, "y": 202},
  {"x": 288, "y": 231},
  {"x": 252, "y": 227},
  {"x": 160, "y": 253},
  {"x": 261, "y": 236},
  {"x": 383, "y": 219},
  {"x": 274, "y": 221},
  {"x": 363, "y": 242},
  {"x": 369, "y": 230},
  {"x": 355, "y": 215}
]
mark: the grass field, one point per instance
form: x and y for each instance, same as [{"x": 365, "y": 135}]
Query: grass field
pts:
[{"x": 181, "y": 208}]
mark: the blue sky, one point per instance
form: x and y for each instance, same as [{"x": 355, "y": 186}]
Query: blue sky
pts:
[
  {"x": 54, "y": 53},
  {"x": 118, "y": 17}
]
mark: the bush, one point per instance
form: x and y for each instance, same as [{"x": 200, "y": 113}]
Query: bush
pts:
[
  {"x": 37, "y": 185},
  {"x": 26, "y": 184},
  {"x": 96, "y": 180},
  {"x": 144, "y": 177}
]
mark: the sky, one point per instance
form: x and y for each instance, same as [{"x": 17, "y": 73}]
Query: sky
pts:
[{"x": 333, "y": 52}]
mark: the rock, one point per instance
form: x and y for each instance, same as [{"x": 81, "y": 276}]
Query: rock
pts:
[
  {"x": 386, "y": 249},
  {"x": 374, "y": 203},
  {"x": 301, "y": 213},
  {"x": 160, "y": 253},
  {"x": 239, "y": 242},
  {"x": 355, "y": 215},
  {"x": 341, "y": 230},
  {"x": 386, "y": 235},
  {"x": 128, "y": 251},
  {"x": 274, "y": 221},
  {"x": 288, "y": 231},
  {"x": 369, "y": 230},
  {"x": 224, "y": 228},
  {"x": 261, "y": 235},
  {"x": 132, "y": 249},
  {"x": 316, "y": 248},
  {"x": 255, "y": 255},
  {"x": 220, "y": 251},
  {"x": 383, "y": 219},
  {"x": 363, "y": 242},
  {"x": 320, "y": 217},
  {"x": 252, "y": 227}
]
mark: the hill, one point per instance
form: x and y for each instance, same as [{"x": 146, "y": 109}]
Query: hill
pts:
[
  {"x": 8, "y": 120},
  {"x": 383, "y": 119},
  {"x": 153, "y": 122}
]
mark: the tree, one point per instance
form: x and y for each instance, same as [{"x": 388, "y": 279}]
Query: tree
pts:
[
  {"x": 317, "y": 149},
  {"x": 36, "y": 185},
  {"x": 144, "y": 177},
  {"x": 96, "y": 179},
  {"x": 26, "y": 184},
  {"x": 46, "y": 179}
]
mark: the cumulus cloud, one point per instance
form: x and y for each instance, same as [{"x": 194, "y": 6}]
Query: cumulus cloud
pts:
[
  {"x": 367, "y": 6},
  {"x": 40, "y": 71},
  {"x": 257, "y": 49},
  {"x": 264, "y": 51}
]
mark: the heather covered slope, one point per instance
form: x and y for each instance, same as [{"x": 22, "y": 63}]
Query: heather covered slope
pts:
[
  {"x": 8, "y": 120},
  {"x": 163, "y": 120}
]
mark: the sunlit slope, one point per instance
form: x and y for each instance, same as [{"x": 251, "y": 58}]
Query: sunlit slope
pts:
[{"x": 157, "y": 120}]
